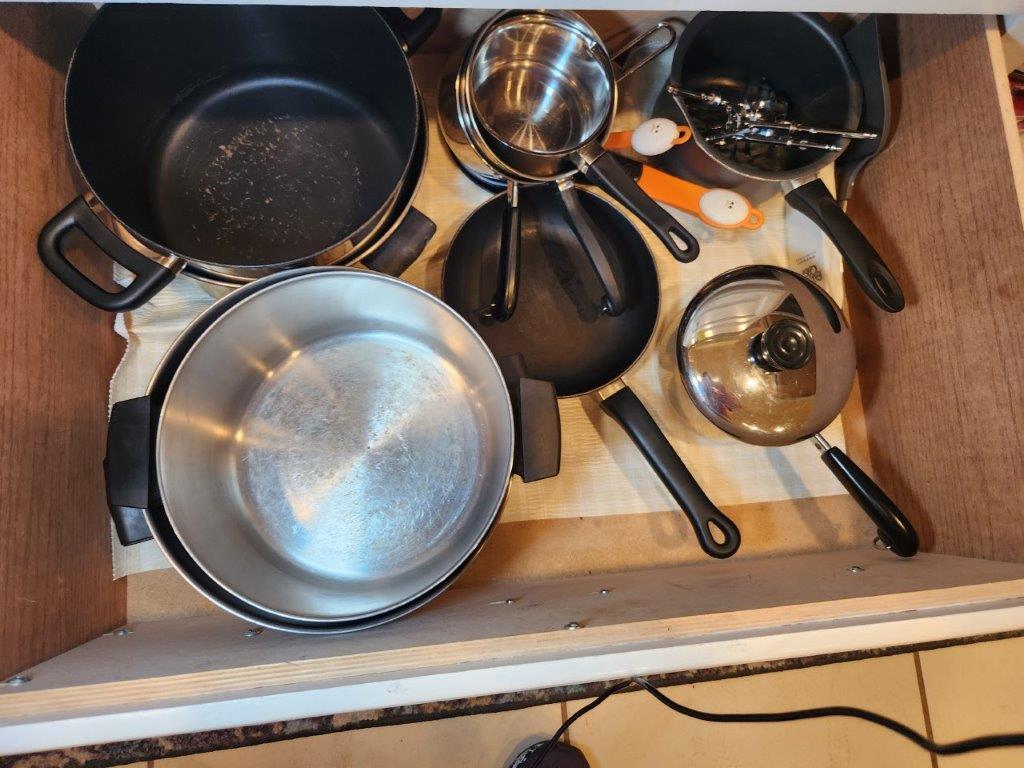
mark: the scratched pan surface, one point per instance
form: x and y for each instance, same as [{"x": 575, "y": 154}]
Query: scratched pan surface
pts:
[
  {"x": 334, "y": 446},
  {"x": 241, "y": 136},
  {"x": 263, "y": 166}
]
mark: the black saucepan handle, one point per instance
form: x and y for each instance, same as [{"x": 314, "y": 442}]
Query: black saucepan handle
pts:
[
  {"x": 507, "y": 292},
  {"x": 411, "y": 32},
  {"x": 815, "y": 202},
  {"x": 605, "y": 171},
  {"x": 602, "y": 257},
  {"x": 150, "y": 276},
  {"x": 625, "y": 407},
  {"x": 126, "y": 468},
  {"x": 403, "y": 246},
  {"x": 893, "y": 528}
]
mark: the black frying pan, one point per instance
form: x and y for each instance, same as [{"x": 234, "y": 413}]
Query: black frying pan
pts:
[
  {"x": 560, "y": 335},
  {"x": 239, "y": 137}
]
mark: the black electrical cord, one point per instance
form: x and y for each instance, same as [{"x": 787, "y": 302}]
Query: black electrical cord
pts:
[{"x": 952, "y": 748}]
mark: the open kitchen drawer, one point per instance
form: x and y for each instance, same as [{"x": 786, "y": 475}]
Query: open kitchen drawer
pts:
[{"x": 549, "y": 602}]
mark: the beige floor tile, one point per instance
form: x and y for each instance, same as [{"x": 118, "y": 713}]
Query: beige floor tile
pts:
[
  {"x": 975, "y": 690},
  {"x": 480, "y": 741},
  {"x": 635, "y": 731}
]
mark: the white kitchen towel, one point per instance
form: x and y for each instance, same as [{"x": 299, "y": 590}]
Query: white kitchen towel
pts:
[{"x": 149, "y": 331}]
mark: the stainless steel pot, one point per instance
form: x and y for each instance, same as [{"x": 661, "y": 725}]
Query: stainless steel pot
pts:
[
  {"x": 332, "y": 448},
  {"x": 531, "y": 101},
  {"x": 768, "y": 357}
]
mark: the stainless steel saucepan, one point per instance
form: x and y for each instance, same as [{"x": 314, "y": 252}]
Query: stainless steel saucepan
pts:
[
  {"x": 767, "y": 356},
  {"x": 330, "y": 450},
  {"x": 531, "y": 101}
]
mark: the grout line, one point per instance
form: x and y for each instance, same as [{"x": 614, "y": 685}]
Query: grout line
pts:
[
  {"x": 924, "y": 706},
  {"x": 565, "y": 716}
]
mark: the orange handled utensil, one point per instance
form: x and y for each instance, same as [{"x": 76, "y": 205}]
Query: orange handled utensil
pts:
[
  {"x": 721, "y": 208},
  {"x": 652, "y": 137}
]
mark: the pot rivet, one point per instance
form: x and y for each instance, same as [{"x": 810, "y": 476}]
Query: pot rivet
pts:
[
  {"x": 121, "y": 632},
  {"x": 253, "y": 631},
  {"x": 572, "y": 625},
  {"x": 510, "y": 601},
  {"x": 604, "y": 591},
  {"x": 18, "y": 680},
  {"x": 856, "y": 569}
]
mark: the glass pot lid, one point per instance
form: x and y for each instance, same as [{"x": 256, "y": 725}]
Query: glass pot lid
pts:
[{"x": 766, "y": 355}]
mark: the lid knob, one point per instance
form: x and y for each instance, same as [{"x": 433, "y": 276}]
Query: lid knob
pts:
[{"x": 785, "y": 345}]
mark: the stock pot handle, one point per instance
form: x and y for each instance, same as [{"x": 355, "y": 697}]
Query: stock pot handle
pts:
[
  {"x": 150, "y": 276},
  {"x": 603, "y": 169},
  {"x": 126, "y": 469},
  {"x": 411, "y": 32},
  {"x": 403, "y": 247},
  {"x": 538, "y": 449}
]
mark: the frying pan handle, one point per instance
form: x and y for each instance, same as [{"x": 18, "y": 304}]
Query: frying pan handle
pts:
[
  {"x": 403, "y": 247},
  {"x": 150, "y": 277},
  {"x": 893, "y": 527},
  {"x": 606, "y": 265},
  {"x": 815, "y": 202},
  {"x": 411, "y": 32},
  {"x": 507, "y": 293},
  {"x": 604, "y": 170},
  {"x": 626, "y": 408},
  {"x": 126, "y": 468}
]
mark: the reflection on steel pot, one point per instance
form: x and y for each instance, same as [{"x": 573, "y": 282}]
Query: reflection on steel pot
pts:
[
  {"x": 532, "y": 101},
  {"x": 353, "y": 436},
  {"x": 200, "y": 147},
  {"x": 767, "y": 356}
]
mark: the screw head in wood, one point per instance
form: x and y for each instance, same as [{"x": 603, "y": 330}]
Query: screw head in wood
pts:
[
  {"x": 121, "y": 632},
  {"x": 856, "y": 569},
  {"x": 572, "y": 625},
  {"x": 604, "y": 591},
  {"x": 253, "y": 632},
  {"x": 18, "y": 680}
]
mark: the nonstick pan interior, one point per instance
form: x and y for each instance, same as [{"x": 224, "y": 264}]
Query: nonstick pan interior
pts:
[
  {"x": 557, "y": 326},
  {"x": 242, "y": 135},
  {"x": 264, "y": 166},
  {"x": 795, "y": 55}
]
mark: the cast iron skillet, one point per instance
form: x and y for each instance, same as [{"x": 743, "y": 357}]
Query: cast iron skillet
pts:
[{"x": 558, "y": 333}]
